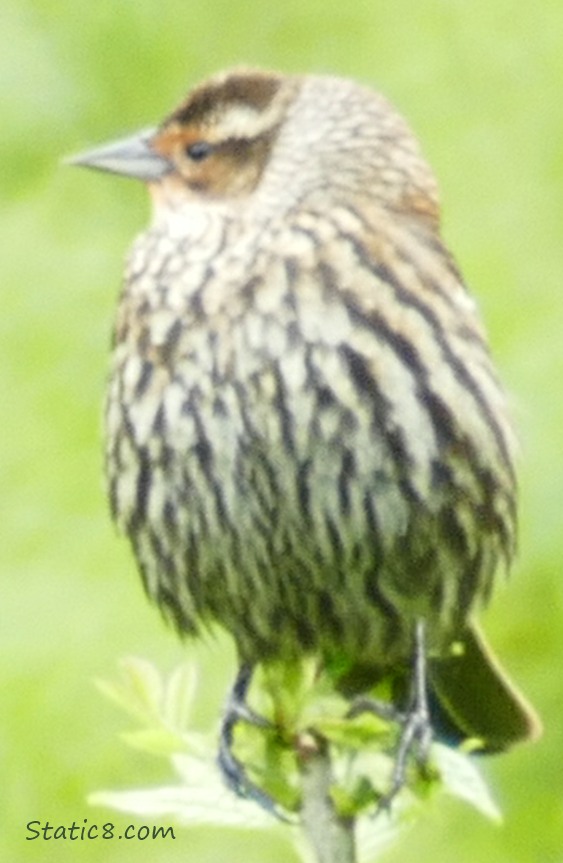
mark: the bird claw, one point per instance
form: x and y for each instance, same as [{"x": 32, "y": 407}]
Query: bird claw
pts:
[
  {"x": 415, "y": 739},
  {"x": 416, "y": 729},
  {"x": 382, "y": 709},
  {"x": 233, "y": 771}
]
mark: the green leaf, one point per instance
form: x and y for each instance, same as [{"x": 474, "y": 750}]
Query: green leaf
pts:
[
  {"x": 353, "y": 733},
  {"x": 179, "y": 695},
  {"x": 462, "y": 779},
  {"x": 201, "y": 799},
  {"x": 155, "y": 741},
  {"x": 376, "y": 834},
  {"x": 139, "y": 691},
  {"x": 287, "y": 687},
  {"x": 351, "y": 803}
]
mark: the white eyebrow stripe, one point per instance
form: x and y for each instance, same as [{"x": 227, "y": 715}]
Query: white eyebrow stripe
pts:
[{"x": 240, "y": 120}]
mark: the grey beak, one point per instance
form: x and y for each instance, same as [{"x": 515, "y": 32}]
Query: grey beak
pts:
[{"x": 129, "y": 157}]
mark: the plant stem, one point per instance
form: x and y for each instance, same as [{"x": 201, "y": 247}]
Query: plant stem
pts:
[{"x": 331, "y": 836}]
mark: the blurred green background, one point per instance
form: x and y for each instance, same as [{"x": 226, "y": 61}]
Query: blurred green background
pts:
[{"x": 481, "y": 83}]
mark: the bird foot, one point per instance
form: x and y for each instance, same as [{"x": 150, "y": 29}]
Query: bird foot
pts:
[
  {"x": 416, "y": 729},
  {"x": 234, "y": 773}
]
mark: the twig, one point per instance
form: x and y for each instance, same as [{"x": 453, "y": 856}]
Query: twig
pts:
[{"x": 331, "y": 836}]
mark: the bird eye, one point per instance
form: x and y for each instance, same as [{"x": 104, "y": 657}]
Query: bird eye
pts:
[{"x": 199, "y": 150}]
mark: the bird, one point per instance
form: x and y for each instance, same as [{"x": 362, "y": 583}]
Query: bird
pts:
[{"x": 307, "y": 443}]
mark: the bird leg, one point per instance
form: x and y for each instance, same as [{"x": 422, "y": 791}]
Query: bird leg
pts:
[
  {"x": 416, "y": 734},
  {"x": 234, "y": 773},
  {"x": 416, "y": 731}
]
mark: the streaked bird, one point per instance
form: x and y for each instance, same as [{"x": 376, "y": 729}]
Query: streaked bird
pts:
[{"x": 307, "y": 442}]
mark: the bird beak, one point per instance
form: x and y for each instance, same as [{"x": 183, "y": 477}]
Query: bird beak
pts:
[{"x": 130, "y": 157}]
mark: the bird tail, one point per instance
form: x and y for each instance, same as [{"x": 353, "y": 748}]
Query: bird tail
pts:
[{"x": 472, "y": 697}]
